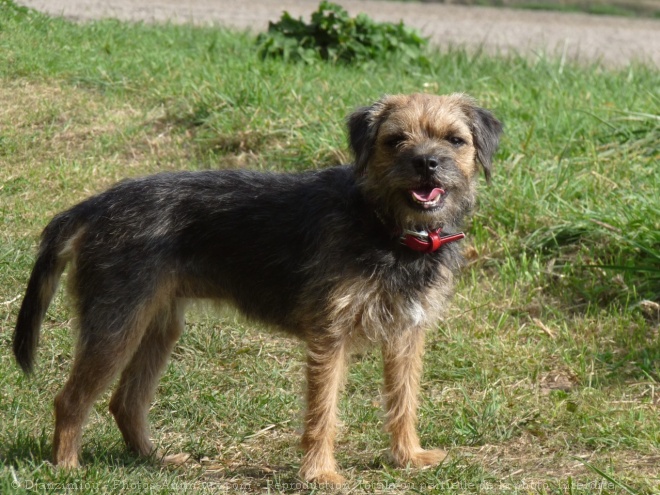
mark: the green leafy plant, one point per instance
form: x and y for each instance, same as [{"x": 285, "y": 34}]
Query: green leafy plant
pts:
[{"x": 335, "y": 36}]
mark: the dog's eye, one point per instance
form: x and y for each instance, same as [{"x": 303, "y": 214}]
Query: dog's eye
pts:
[
  {"x": 395, "y": 141},
  {"x": 456, "y": 141}
]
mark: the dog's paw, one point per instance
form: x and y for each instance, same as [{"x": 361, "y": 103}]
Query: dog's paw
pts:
[
  {"x": 68, "y": 463},
  {"x": 174, "y": 459},
  {"x": 319, "y": 467},
  {"x": 425, "y": 458},
  {"x": 420, "y": 458},
  {"x": 328, "y": 479}
]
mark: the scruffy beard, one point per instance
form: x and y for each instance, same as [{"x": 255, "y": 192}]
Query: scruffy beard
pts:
[{"x": 418, "y": 205}]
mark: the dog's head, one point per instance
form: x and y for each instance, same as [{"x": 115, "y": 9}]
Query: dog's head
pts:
[{"x": 417, "y": 156}]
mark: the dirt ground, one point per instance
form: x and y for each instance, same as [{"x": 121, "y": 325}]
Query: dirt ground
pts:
[{"x": 615, "y": 41}]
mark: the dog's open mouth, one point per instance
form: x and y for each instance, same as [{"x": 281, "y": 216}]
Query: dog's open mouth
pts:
[{"x": 427, "y": 197}]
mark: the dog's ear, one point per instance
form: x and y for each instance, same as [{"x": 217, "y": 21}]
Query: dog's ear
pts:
[
  {"x": 363, "y": 126},
  {"x": 486, "y": 130}
]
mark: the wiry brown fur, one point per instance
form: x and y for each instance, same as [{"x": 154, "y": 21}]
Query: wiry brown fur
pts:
[{"x": 326, "y": 264}]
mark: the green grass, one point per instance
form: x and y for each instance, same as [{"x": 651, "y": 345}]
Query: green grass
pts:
[{"x": 544, "y": 376}]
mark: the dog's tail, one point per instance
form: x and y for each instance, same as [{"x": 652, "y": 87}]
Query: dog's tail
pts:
[{"x": 52, "y": 258}]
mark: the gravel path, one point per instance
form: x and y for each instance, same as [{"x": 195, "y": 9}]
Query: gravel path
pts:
[{"x": 616, "y": 41}]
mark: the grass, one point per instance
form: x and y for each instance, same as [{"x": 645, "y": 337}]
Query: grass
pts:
[{"x": 544, "y": 376}]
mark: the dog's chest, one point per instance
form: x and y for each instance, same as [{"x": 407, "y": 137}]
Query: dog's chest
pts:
[{"x": 372, "y": 309}]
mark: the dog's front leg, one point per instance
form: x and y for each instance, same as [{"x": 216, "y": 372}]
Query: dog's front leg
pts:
[
  {"x": 326, "y": 363},
  {"x": 402, "y": 362}
]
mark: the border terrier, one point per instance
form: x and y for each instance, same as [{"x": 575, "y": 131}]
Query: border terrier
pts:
[{"x": 339, "y": 257}]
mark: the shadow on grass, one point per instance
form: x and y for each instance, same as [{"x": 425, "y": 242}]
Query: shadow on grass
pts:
[
  {"x": 37, "y": 449},
  {"x": 633, "y": 357},
  {"x": 252, "y": 479},
  {"x": 25, "y": 448}
]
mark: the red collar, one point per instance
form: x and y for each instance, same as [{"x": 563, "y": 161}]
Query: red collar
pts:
[
  {"x": 423, "y": 241},
  {"x": 428, "y": 241}
]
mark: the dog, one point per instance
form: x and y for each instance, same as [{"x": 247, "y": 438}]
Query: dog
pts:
[{"x": 341, "y": 257}]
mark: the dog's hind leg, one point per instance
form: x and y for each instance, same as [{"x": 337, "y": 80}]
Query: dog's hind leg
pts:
[
  {"x": 107, "y": 342},
  {"x": 139, "y": 380}
]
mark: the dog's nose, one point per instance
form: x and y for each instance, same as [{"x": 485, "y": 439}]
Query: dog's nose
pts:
[{"x": 425, "y": 163}]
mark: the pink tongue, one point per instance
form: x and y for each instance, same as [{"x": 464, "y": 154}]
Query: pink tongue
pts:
[{"x": 426, "y": 195}]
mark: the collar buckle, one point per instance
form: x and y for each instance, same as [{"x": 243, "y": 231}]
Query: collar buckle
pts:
[{"x": 428, "y": 241}]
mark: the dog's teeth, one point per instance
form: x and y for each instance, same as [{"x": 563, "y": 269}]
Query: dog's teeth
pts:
[{"x": 435, "y": 201}]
